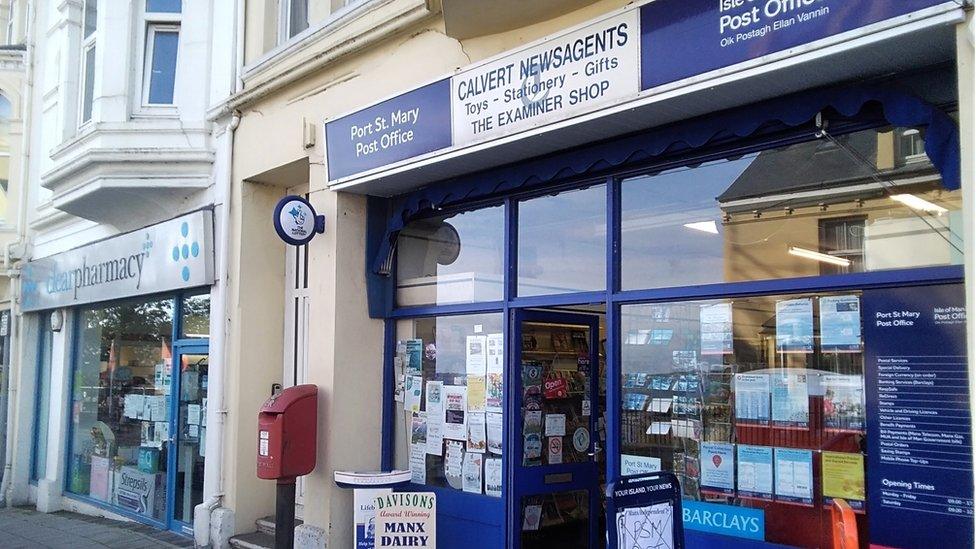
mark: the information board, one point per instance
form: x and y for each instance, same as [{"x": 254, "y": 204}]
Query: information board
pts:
[{"x": 920, "y": 467}]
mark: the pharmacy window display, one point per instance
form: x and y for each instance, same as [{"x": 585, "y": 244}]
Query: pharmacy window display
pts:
[{"x": 136, "y": 424}]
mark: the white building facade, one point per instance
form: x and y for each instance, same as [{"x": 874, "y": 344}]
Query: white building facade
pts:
[{"x": 115, "y": 410}]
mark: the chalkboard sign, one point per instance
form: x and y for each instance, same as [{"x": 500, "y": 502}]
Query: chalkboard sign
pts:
[{"x": 644, "y": 512}]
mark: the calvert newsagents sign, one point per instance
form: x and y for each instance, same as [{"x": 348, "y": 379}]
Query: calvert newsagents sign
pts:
[
  {"x": 172, "y": 255},
  {"x": 631, "y": 54}
]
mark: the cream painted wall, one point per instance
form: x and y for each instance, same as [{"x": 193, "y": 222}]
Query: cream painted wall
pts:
[{"x": 254, "y": 346}]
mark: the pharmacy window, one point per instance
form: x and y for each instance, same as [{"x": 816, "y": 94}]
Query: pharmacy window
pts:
[
  {"x": 120, "y": 401},
  {"x": 161, "y": 21},
  {"x": 450, "y": 402},
  {"x": 89, "y": 28}
]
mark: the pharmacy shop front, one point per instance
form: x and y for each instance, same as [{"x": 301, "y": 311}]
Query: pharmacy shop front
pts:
[
  {"x": 122, "y": 329},
  {"x": 765, "y": 298}
]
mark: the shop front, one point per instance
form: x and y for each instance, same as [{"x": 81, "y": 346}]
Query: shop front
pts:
[
  {"x": 124, "y": 327},
  {"x": 766, "y": 299}
]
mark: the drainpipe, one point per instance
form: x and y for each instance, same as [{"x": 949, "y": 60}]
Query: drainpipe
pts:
[
  {"x": 13, "y": 273},
  {"x": 203, "y": 513}
]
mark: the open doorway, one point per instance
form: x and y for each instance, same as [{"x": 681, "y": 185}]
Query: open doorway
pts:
[{"x": 560, "y": 458}]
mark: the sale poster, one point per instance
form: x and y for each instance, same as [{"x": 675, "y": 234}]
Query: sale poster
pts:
[
  {"x": 455, "y": 410},
  {"x": 794, "y": 326},
  {"x": 794, "y": 476},
  {"x": 755, "y": 471},
  {"x": 843, "y": 477},
  {"x": 840, "y": 324},
  {"x": 717, "y": 468},
  {"x": 716, "y": 329}
]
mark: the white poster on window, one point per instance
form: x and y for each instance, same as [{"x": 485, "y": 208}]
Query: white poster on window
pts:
[{"x": 476, "y": 355}]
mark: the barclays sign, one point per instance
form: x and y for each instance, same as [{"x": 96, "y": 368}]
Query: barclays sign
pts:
[{"x": 169, "y": 256}]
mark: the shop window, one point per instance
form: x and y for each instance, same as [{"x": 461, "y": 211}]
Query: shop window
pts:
[
  {"x": 42, "y": 406},
  {"x": 457, "y": 258},
  {"x": 749, "y": 401},
  {"x": 121, "y": 406},
  {"x": 195, "y": 319},
  {"x": 562, "y": 243},
  {"x": 772, "y": 215},
  {"x": 450, "y": 405}
]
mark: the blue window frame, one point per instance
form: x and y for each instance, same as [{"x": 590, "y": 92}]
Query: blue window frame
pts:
[{"x": 614, "y": 297}]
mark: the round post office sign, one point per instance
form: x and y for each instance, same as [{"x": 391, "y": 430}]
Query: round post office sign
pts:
[{"x": 296, "y": 222}]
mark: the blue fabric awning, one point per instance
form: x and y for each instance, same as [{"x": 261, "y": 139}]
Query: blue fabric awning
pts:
[{"x": 875, "y": 103}]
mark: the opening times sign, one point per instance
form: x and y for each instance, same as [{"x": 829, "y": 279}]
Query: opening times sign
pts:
[{"x": 610, "y": 61}]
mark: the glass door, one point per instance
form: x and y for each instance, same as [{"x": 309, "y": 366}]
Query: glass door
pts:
[
  {"x": 189, "y": 442},
  {"x": 557, "y": 472}
]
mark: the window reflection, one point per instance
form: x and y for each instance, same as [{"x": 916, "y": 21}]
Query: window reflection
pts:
[
  {"x": 804, "y": 210},
  {"x": 562, "y": 243},
  {"x": 454, "y": 258}
]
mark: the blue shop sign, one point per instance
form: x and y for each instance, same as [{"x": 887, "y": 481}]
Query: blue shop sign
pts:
[
  {"x": 685, "y": 38},
  {"x": 409, "y": 125},
  {"x": 739, "y": 522},
  {"x": 608, "y": 62}
]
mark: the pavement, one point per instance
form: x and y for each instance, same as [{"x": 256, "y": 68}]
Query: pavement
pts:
[{"x": 26, "y": 528}]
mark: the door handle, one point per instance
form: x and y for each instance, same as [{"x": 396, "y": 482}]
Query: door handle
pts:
[{"x": 596, "y": 450}]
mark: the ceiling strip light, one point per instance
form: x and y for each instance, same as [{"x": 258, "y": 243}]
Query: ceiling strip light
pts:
[{"x": 817, "y": 256}]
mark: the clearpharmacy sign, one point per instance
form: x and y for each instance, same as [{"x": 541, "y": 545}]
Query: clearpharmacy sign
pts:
[
  {"x": 636, "y": 52},
  {"x": 169, "y": 256}
]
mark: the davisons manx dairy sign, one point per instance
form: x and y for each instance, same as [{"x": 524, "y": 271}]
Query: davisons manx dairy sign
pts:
[{"x": 172, "y": 255}]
